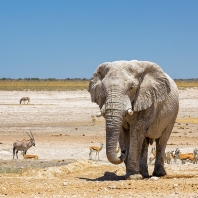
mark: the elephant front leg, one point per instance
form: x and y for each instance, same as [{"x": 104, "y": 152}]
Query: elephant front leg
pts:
[
  {"x": 135, "y": 148},
  {"x": 143, "y": 159},
  {"x": 124, "y": 142}
]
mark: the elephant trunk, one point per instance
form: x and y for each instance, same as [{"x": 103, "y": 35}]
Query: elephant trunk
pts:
[
  {"x": 115, "y": 111},
  {"x": 113, "y": 128}
]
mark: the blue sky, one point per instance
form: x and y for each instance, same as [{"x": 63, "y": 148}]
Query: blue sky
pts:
[{"x": 70, "y": 38}]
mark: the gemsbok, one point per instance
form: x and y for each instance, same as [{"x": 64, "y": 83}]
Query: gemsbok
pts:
[
  {"x": 23, "y": 145},
  {"x": 96, "y": 149},
  {"x": 24, "y": 99}
]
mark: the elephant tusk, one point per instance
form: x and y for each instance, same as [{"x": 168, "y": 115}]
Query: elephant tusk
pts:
[
  {"x": 130, "y": 112},
  {"x": 101, "y": 113}
]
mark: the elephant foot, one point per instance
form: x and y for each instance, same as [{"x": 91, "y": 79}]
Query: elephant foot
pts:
[
  {"x": 159, "y": 171},
  {"x": 130, "y": 176},
  {"x": 145, "y": 174},
  {"x": 144, "y": 171}
]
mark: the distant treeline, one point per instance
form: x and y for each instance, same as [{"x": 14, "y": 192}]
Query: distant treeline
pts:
[
  {"x": 78, "y": 79},
  {"x": 190, "y": 79},
  {"x": 45, "y": 79}
]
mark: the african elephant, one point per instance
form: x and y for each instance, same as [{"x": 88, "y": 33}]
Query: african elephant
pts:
[{"x": 140, "y": 103}]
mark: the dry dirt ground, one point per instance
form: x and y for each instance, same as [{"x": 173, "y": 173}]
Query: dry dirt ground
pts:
[{"x": 63, "y": 130}]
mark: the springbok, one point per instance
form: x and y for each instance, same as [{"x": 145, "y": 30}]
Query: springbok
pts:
[
  {"x": 169, "y": 156},
  {"x": 93, "y": 119},
  {"x": 118, "y": 149},
  {"x": 96, "y": 149},
  {"x": 24, "y": 99},
  {"x": 153, "y": 151},
  {"x": 183, "y": 157},
  {"x": 29, "y": 156},
  {"x": 195, "y": 153},
  {"x": 23, "y": 145}
]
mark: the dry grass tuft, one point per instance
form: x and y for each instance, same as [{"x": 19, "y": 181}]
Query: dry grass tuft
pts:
[{"x": 188, "y": 120}]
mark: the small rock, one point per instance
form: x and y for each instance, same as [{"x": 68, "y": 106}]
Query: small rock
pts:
[
  {"x": 120, "y": 172},
  {"x": 112, "y": 187},
  {"x": 154, "y": 178},
  {"x": 133, "y": 177},
  {"x": 175, "y": 185},
  {"x": 64, "y": 183}
]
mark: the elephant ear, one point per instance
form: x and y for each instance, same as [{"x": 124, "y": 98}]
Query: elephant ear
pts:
[
  {"x": 95, "y": 85},
  {"x": 154, "y": 87}
]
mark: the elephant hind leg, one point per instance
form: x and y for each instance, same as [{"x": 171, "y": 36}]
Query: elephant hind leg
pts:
[{"x": 160, "y": 151}]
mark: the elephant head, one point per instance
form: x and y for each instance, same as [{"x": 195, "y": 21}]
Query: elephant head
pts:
[{"x": 123, "y": 87}]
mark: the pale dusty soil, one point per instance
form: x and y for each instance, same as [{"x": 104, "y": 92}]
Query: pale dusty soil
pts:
[{"x": 63, "y": 131}]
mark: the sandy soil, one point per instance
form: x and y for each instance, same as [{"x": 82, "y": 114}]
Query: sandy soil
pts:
[{"x": 63, "y": 130}]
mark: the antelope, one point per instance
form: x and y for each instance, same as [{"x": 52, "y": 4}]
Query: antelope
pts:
[
  {"x": 153, "y": 151},
  {"x": 29, "y": 156},
  {"x": 93, "y": 119},
  {"x": 96, "y": 149},
  {"x": 195, "y": 153},
  {"x": 118, "y": 149},
  {"x": 168, "y": 156},
  {"x": 23, "y": 145},
  {"x": 24, "y": 99},
  {"x": 183, "y": 157}
]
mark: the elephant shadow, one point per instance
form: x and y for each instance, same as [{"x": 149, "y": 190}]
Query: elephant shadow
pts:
[{"x": 108, "y": 176}]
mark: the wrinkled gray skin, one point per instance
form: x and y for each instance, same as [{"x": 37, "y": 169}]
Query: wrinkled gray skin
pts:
[{"x": 153, "y": 97}]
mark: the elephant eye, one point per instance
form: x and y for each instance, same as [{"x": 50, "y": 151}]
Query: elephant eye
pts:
[
  {"x": 131, "y": 87},
  {"x": 103, "y": 89}
]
